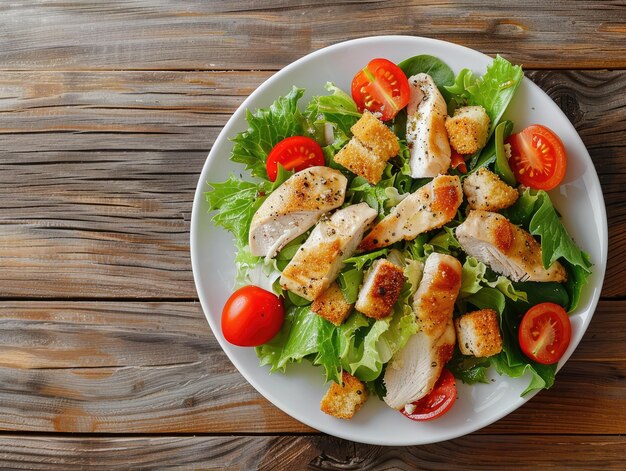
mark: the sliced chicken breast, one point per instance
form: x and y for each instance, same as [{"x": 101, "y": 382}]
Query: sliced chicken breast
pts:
[
  {"x": 381, "y": 289},
  {"x": 414, "y": 370},
  {"x": 294, "y": 207},
  {"x": 426, "y": 132},
  {"x": 507, "y": 249},
  {"x": 318, "y": 261},
  {"x": 430, "y": 207}
]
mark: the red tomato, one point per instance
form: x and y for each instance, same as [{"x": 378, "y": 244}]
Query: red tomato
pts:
[
  {"x": 381, "y": 87},
  {"x": 252, "y": 316},
  {"x": 537, "y": 157},
  {"x": 437, "y": 402},
  {"x": 294, "y": 153},
  {"x": 458, "y": 162},
  {"x": 545, "y": 332}
]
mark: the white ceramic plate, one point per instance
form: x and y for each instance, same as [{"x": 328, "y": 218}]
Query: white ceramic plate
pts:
[{"x": 298, "y": 392}]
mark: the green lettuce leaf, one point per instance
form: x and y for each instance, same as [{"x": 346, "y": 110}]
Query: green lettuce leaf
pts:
[
  {"x": 258, "y": 271},
  {"x": 360, "y": 261},
  {"x": 339, "y": 109},
  {"x": 523, "y": 209},
  {"x": 328, "y": 350},
  {"x": 236, "y": 202},
  {"x": 267, "y": 127},
  {"x": 443, "y": 242},
  {"x": 365, "y": 356},
  {"x": 557, "y": 244},
  {"x": 476, "y": 275},
  {"x": 493, "y": 91},
  {"x": 469, "y": 369},
  {"x": 555, "y": 241},
  {"x": 349, "y": 282},
  {"x": 541, "y": 376},
  {"x": 511, "y": 361},
  {"x": 303, "y": 333},
  {"x": 297, "y": 339}
]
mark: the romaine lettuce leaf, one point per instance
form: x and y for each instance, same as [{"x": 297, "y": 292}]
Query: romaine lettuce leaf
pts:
[
  {"x": 257, "y": 271},
  {"x": 384, "y": 337},
  {"x": 360, "y": 261},
  {"x": 443, "y": 242},
  {"x": 236, "y": 202},
  {"x": 476, "y": 275},
  {"x": 555, "y": 241},
  {"x": 511, "y": 361},
  {"x": 303, "y": 333},
  {"x": 469, "y": 369},
  {"x": 523, "y": 209},
  {"x": 297, "y": 338},
  {"x": 267, "y": 127},
  {"x": 349, "y": 282},
  {"x": 493, "y": 90},
  {"x": 557, "y": 244},
  {"x": 328, "y": 350},
  {"x": 338, "y": 108}
]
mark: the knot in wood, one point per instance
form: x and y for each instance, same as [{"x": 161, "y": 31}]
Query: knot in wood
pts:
[{"x": 566, "y": 99}]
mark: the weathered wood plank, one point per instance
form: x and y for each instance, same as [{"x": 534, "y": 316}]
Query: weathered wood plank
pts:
[
  {"x": 147, "y": 34},
  {"x": 495, "y": 452},
  {"x": 156, "y": 368},
  {"x": 118, "y": 149}
]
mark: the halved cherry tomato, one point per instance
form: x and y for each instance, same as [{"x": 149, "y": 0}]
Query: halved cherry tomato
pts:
[
  {"x": 381, "y": 87},
  {"x": 294, "y": 153},
  {"x": 545, "y": 332},
  {"x": 458, "y": 162},
  {"x": 437, "y": 402},
  {"x": 252, "y": 316},
  {"x": 538, "y": 157}
]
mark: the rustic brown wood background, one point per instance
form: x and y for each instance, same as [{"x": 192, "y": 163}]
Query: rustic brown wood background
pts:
[{"x": 107, "y": 113}]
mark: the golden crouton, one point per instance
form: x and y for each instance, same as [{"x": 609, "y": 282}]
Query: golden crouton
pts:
[
  {"x": 381, "y": 289},
  {"x": 372, "y": 133},
  {"x": 478, "y": 333},
  {"x": 369, "y": 150},
  {"x": 468, "y": 129},
  {"x": 332, "y": 305},
  {"x": 361, "y": 161},
  {"x": 344, "y": 401},
  {"x": 485, "y": 190}
]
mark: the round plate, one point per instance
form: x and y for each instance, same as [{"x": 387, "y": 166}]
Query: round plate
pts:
[{"x": 299, "y": 391}]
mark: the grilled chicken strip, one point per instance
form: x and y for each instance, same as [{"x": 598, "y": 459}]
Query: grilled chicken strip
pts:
[
  {"x": 507, "y": 249},
  {"x": 426, "y": 132},
  {"x": 430, "y": 207},
  {"x": 381, "y": 289},
  {"x": 294, "y": 207},
  {"x": 318, "y": 261},
  {"x": 414, "y": 370}
]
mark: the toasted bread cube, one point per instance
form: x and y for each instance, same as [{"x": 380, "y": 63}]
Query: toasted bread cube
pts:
[
  {"x": 485, "y": 190},
  {"x": 343, "y": 401},
  {"x": 361, "y": 161},
  {"x": 372, "y": 133},
  {"x": 478, "y": 333},
  {"x": 332, "y": 305},
  {"x": 381, "y": 289},
  {"x": 468, "y": 129}
]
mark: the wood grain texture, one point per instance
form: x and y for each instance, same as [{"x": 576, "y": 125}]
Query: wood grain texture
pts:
[
  {"x": 241, "y": 34},
  {"x": 114, "y": 367},
  {"x": 242, "y": 453},
  {"x": 124, "y": 150}
]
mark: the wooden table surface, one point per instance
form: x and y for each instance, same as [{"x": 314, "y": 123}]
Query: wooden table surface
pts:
[{"x": 107, "y": 113}]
